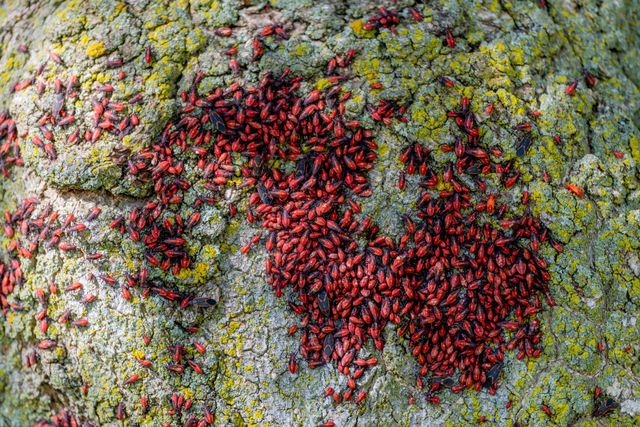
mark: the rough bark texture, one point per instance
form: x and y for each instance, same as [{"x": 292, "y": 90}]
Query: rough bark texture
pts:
[{"x": 516, "y": 55}]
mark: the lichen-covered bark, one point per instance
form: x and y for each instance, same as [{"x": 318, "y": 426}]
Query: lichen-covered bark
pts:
[{"x": 516, "y": 55}]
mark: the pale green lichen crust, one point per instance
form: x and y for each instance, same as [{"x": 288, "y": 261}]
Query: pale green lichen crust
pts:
[{"x": 516, "y": 55}]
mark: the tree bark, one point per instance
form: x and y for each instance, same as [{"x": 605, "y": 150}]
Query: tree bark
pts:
[{"x": 518, "y": 56}]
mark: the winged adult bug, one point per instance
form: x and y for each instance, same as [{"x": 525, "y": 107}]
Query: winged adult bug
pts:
[
  {"x": 604, "y": 407},
  {"x": 216, "y": 122},
  {"x": 203, "y": 302},
  {"x": 446, "y": 81},
  {"x": 323, "y": 302},
  {"x": 523, "y": 145},
  {"x": 492, "y": 375},
  {"x": 327, "y": 348}
]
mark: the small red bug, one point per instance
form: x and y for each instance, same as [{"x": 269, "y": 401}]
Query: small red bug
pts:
[
  {"x": 144, "y": 403},
  {"x": 450, "y": 41},
  {"x": 417, "y": 16},
  {"x": 571, "y": 88},
  {"x": 575, "y": 190},
  {"x": 93, "y": 213},
  {"x": 195, "y": 366},
  {"x": 145, "y": 362},
  {"x": 361, "y": 396},
  {"x": 132, "y": 379},
  {"x": 545, "y": 408},
  {"x": 597, "y": 391},
  {"x": 292, "y": 365},
  {"x": 224, "y": 32},
  {"x": 148, "y": 55},
  {"x": 81, "y": 323},
  {"x": 589, "y": 78},
  {"x": 447, "y": 81},
  {"x": 121, "y": 414}
]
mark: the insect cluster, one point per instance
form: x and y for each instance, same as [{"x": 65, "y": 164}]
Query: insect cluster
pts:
[
  {"x": 29, "y": 228},
  {"x": 386, "y": 18},
  {"x": 455, "y": 283},
  {"x": 108, "y": 116},
  {"x": 471, "y": 286},
  {"x": 64, "y": 418},
  {"x": 9, "y": 147}
]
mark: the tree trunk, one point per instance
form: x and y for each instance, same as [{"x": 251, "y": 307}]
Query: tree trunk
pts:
[{"x": 553, "y": 87}]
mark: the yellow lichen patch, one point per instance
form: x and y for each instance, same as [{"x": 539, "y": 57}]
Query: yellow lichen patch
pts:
[
  {"x": 233, "y": 327},
  {"x": 12, "y": 62},
  {"x": 323, "y": 84},
  {"x": 187, "y": 393},
  {"x": 430, "y": 119},
  {"x": 96, "y": 50},
  {"x": 71, "y": 6},
  {"x": 195, "y": 40},
  {"x": 120, "y": 7},
  {"x": 358, "y": 29},
  {"x": 516, "y": 56},
  {"x": 254, "y": 420},
  {"x": 198, "y": 273},
  {"x": 511, "y": 102},
  {"x": 383, "y": 149},
  {"x": 138, "y": 354},
  {"x": 417, "y": 35},
  {"x": 210, "y": 251},
  {"x": 457, "y": 67},
  {"x": 159, "y": 80},
  {"x": 5, "y": 77},
  {"x": 368, "y": 68},
  {"x": 301, "y": 50}
]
